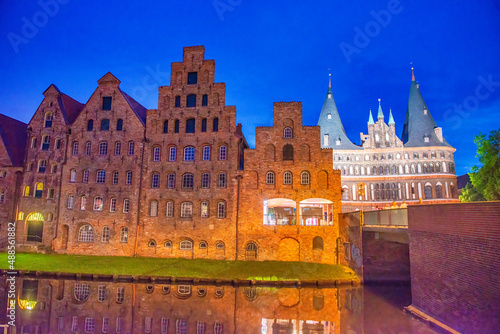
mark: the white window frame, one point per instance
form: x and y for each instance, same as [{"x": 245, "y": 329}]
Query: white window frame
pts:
[
  {"x": 112, "y": 205},
  {"x": 186, "y": 209}
]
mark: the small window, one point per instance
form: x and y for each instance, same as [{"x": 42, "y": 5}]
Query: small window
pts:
[
  {"x": 168, "y": 244},
  {"x": 124, "y": 235},
  {"x": 186, "y": 209},
  {"x": 222, "y": 181},
  {"x": 204, "y": 100},
  {"x": 219, "y": 245},
  {"x": 90, "y": 125},
  {"x": 106, "y": 234},
  {"x": 205, "y": 180},
  {"x": 204, "y": 210},
  {"x": 172, "y": 154},
  {"x": 189, "y": 153},
  {"x": 85, "y": 176},
  {"x": 221, "y": 210},
  {"x": 191, "y": 101},
  {"x": 186, "y": 245},
  {"x": 223, "y": 152},
  {"x": 42, "y": 166},
  {"x": 129, "y": 178},
  {"x": 75, "y": 148},
  {"x": 190, "y": 125},
  {"x": 116, "y": 176},
  {"x": 105, "y": 124},
  {"x": 57, "y": 144},
  {"x": 325, "y": 140},
  {"x": 112, "y": 205},
  {"x": 203, "y": 245},
  {"x": 101, "y": 293},
  {"x": 131, "y": 147},
  {"x": 155, "y": 180},
  {"x": 270, "y": 178},
  {"x": 288, "y": 152},
  {"x": 206, "y": 153},
  {"x": 171, "y": 181},
  {"x": 83, "y": 202},
  {"x": 153, "y": 209},
  {"x": 170, "y": 209},
  {"x": 192, "y": 78},
  {"x": 165, "y": 126},
  {"x": 101, "y": 176},
  {"x": 119, "y": 125},
  {"x": 215, "y": 127},
  {"x": 33, "y": 142},
  {"x": 304, "y": 178},
  {"x": 152, "y": 243},
  {"x": 188, "y": 181},
  {"x": 176, "y": 126},
  {"x": 287, "y": 178},
  {"x": 118, "y": 148},
  {"x": 177, "y": 101},
  {"x": 106, "y": 103},
  {"x": 71, "y": 202},
  {"x": 120, "y": 297},
  {"x": 103, "y": 148},
  {"x": 126, "y": 205},
  {"x": 204, "y": 125},
  {"x": 88, "y": 148},
  {"x": 287, "y": 132},
  {"x": 48, "y": 120},
  {"x": 45, "y": 143},
  {"x": 98, "y": 203},
  {"x": 105, "y": 325}
]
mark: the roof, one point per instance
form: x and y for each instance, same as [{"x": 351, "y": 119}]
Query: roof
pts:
[
  {"x": 333, "y": 126},
  {"x": 419, "y": 122},
  {"x": 138, "y": 108},
  {"x": 462, "y": 181},
  {"x": 13, "y": 134},
  {"x": 70, "y": 108}
]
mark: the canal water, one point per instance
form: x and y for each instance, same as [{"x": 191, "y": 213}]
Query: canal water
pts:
[{"x": 68, "y": 306}]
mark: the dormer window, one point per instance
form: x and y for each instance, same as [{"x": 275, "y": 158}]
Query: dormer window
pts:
[
  {"x": 106, "y": 103},
  {"x": 337, "y": 142},
  {"x": 425, "y": 111},
  {"x": 329, "y": 95},
  {"x": 192, "y": 78},
  {"x": 426, "y": 139},
  {"x": 329, "y": 116}
]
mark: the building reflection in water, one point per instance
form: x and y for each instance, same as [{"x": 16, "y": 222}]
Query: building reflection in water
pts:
[{"x": 66, "y": 306}]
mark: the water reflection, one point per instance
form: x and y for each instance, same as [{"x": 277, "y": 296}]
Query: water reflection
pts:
[{"x": 65, "y": 306}]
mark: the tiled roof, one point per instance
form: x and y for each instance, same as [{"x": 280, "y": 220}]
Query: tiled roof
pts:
[
  {"x": 138, "y": 108},
  {"x": 333, "y": 126},
  {"x": 13, "y": 134},
  {"x": 419, "y": 123},
  {"x": 70, "y": 108}
]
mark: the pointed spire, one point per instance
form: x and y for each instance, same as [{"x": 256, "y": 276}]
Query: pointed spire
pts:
[
  {"x": 380, "y": 112},
  {"x": 391, "y": 119},
  {"x": 370, "y": 118},
  {"x": 412, "y": 74},
  {"x": 329, "y": 80}
]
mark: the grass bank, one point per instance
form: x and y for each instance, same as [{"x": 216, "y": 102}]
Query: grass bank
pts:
[{"x": 198, "y": 268}]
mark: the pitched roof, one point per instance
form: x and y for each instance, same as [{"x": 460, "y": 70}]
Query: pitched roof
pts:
[
  {"x": 391, "y": 119},
  {"x": 370, "y": 119},
  {"x": 333, "y": 126},
  {"x": 70, "y": 108},
  {"x": 13, "y": 134},
  {"x": 419, "y": 123},
  {"x": 138, "y": 108}
]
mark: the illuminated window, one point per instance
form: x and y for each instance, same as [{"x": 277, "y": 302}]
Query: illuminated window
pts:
[
  {"x": 20, "y": 216},
  {"x": 98, "y": 203},
  {"x": 204, "y": 210},
  {"x": 26, "y": 191},
  {"x": 83, "y": 202},
  {"x": 38, "y": 190},
  {"x": 153, "y": 209},
  {"x": 304, "y": 178},
  {"x": 186, "y": 209}
]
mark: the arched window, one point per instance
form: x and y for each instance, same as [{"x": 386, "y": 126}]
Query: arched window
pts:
[
  {"x": 221, "y": 210},
  {"x": 75, "y": 148},
  {"x": 304, "y": 178},
  {"x": 112, "y": 205},
  {"x": 82, "y": 291},
  {"x": 170, "y": 209},
  {"x": 38, "y": 190},
  {"x": 45, "y": 143},
  {"x": 345, "y": 193},
  {"x": 206, "y": 153},
  {"x": 153, "y": 209},
  {"x": 318, "y": 243},
  {"x": 20, "y": 216},
  {"x": 71, "y": 202},
  {"x": 103, "y": 148},
  {"x": 85, "y": 176},
  {"x": 88, "y": 148},
  {"x": 189, "y": 153},
  {"x": 90, "y": 125},
  {"x": 287, "y": 178},
  {"x": 428, "y": 191},
  {"x": 83, "y": 202},
  {"x": 203, "y": 245},
  {"x": 270, "y": 178},
  {"x": 186, "y": 245},
  {"x": 288, "y": 152},
  {"x": 101, "y": 176},
  {"x": 222, "y": 180},
  {"x": 119, "y": 125},
  {"x": 190, "y": 125},
  {"x": 124, "y": 235},
  {"x": 72, "y": 176},
  {"x": 204, "y": 100},
  {"x": 98, "y": 203},
  {"x": 177, "y": 101},
  {"x": 191, "y": 101},
  {"x": 220, "y": 245},
  {"x": 156, "y": 153},
  {"x": 42, "y": 166},
  {"x": 155, "y": 180},
  {"x": 48, "y": 120},
  {"x": 439, "y": 191},
  {"x": 151, "y": 243},
  {"x": 126, "y": 205},
  {"x": 118, "y": 148},
  {"x": 131, "y": 147},
  {"x": 165, "y": 126},
  {"x": 129, "y": 178},
  {"x": 186, "y": 209},
  {"x": 204, "y": 210},
  {"x": 106, "y": 234},
  {"x": 105, "y": 124},
  {"x": 205, "y": 180},
  {"x": 251, "y": 251},
  {"x": 167, "y": 244},
  {"x": 171, "y": 181},
  {"x": 86, "y": 233},
  {"x": 287, "y": 132},
  {"x": 188, "y": 181},
  {"x": 215, "y": 127},
  {"x": 223, "y": 152},
  {"x": 172, "y": 156}
]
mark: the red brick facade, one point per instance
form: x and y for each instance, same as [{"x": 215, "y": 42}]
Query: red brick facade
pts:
[{"x": 454, "y": 264}]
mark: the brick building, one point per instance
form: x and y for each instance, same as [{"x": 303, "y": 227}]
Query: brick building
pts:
[
  {"x": 290, "y": 193},
  {"x": 419, "y": 166}
]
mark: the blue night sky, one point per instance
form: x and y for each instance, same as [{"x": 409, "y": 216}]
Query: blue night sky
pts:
[{"x": 268, "y": 51}]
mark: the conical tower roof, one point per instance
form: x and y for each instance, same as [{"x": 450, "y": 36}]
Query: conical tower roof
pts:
[
  {"x": 419, "y": 126},
  {"x": 370, "y": 118},
  {"x": 391, "y": 119},
  {"x": 331, "y": 125},
  {"x": 380, "y": 113}
]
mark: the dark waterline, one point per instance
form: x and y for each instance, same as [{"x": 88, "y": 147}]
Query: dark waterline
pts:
[{"x": 53, "y": 306}]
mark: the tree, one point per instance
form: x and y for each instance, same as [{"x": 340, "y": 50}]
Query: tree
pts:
[
  {"x": 486, "y": 180},
  {"x": 470, "y": 194}
]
